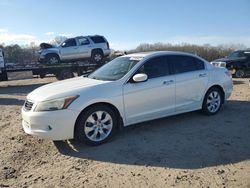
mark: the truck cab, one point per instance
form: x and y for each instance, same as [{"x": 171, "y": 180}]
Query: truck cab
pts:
[{"x": 3, "y": 74}]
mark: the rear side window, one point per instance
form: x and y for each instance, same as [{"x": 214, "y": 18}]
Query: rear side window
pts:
[
  {"x": 83, "y": 41},
  {"x": 98, "y": 39},
  {"x": 182, "y": 63},
  {"x": 155, "y": 67}
]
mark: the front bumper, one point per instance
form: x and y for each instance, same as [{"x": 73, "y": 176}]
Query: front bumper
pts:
[{"x": 55, "y": 125}]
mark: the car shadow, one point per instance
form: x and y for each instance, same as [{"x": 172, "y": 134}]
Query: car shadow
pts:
[
  {"x": 187, "y": 141},
  {"x": 18, "y": 90},
  {"x": 236, "y": 82},
  {"x": 11, "y": 101}
]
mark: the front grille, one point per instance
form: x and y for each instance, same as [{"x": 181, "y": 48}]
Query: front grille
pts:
[{"x": 28, "y": 105}]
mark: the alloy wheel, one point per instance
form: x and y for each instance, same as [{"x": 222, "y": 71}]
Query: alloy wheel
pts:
[
  {"x": 213, "y": 102},
  {"x": 98, "y": 126}
]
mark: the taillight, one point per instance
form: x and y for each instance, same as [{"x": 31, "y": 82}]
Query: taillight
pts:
[{"x": 108, "y": 45}]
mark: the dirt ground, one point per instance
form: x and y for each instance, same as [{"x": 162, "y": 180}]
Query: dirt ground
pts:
[{"x": 188, "y": 150}]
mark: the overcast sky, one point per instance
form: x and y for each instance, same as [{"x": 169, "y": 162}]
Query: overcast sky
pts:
[{"x": 128, "y": 23}]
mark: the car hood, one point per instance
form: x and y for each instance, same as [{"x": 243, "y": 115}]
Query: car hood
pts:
[
  {"x": 46, "y": 45},
  {"x": 228, "y": 60},
  {"x": 63, "y": 88},
  {"x": 221, "y": 60}
]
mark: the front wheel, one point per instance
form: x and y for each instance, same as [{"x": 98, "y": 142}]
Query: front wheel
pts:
[
  {"x": 52, "y": 59},
  {"x": 96, "y": 125},
  {"x": 212, "y": 101}
]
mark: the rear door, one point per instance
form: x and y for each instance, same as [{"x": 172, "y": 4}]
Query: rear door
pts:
[
  {"x": 69, "y": 50},
  {"x": 191, "y": 81}
]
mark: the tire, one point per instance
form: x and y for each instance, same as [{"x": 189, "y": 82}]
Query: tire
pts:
[
  {"x": 42, "y": 75},
  {"x": 64, "y": 74},
  {"x": 212, "y": 101},
  {"x": 52, "y": 59},
  {"x": 97, "y": 56},
  {"x": 96, "y": 125},
  {"x": 240, "y": 73}
]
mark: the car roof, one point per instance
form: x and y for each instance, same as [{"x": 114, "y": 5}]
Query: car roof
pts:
[
  {"x": 154, "y": 53},
  {"x": 89, "y": 36}
]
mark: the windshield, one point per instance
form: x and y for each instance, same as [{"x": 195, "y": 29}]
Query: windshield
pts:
[
  {"x": 115, "y": 69},
  {"x": 236, "y": 54}
]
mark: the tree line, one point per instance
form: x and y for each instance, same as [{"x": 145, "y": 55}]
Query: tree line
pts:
[
  {"x": 23, "y": 55},
  {"x": 205, "y": 51}
]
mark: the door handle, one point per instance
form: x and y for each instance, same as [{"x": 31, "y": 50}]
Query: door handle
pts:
[
  {"x": 203, "y": 75},
  {"x": 168, "y": 82}
]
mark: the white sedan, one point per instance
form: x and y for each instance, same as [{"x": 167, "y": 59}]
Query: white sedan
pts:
[{"x": 128, "y": 90}]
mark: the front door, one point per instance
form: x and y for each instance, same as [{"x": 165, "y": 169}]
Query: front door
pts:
[
  {"x": 153, "y": 98},
  {"x": 69, "y": 50}
]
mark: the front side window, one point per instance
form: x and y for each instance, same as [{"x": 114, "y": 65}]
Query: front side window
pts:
[
  {"x": 115, "y": 69},
  {"x": 182, "y": 63},
  {"x": 155, "y": 67},
  {"x": 69, "y": 43}
]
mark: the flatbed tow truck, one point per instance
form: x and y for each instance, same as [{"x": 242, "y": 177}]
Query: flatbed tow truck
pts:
[{"x": 61, "y": 70}]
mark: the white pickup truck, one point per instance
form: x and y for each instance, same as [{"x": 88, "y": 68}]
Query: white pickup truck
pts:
[
  {"x": 3, "y": 73},
  {"x": 1, "y": 60}
]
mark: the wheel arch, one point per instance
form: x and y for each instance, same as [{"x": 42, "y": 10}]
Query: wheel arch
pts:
[
  {"x": 96, "y": 49},
  {"x": 220, "y": 88},
  {"x": 113, "y": 107},
  {"x": 52, "y": 53}
]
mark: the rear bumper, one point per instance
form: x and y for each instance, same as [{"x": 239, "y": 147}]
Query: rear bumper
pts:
[
  {"x": 56, "y": 125},
  {"x": 228, "y": 88},
  {"x": 106, "y": 52}
]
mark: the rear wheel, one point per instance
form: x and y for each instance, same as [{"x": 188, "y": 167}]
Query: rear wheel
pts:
[
  {"x": 64, "y": 74},
  {"x": 212, "y": 101},
  {"x": 97, "y": 56},
  {"x": 96, "y": 125},
  {"x": 240, "y": 73}
]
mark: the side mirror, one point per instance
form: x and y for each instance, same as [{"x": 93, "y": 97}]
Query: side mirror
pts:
[
  {"x": 140, "y": 77},
  {"x": 63, "y": 45}
]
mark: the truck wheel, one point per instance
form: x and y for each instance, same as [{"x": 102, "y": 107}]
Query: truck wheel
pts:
[
  {"x": 97, "y": 56},
  {"x": 4, "y": 76},
  {"x": 64, "y": 74},
  {"x": 52, "y": 59},
  {"x": 240, "y": 73},
  {"x": 42, "y": 75}
]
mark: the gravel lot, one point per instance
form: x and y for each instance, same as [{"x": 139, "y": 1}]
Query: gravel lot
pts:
[{"x": 188, "y": 150}]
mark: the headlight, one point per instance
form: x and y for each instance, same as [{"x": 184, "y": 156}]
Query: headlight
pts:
[
  {"x": 218, "y": 63},
  {"x": 223, "y": 64},
  {"x": 57, "y": 104}
]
